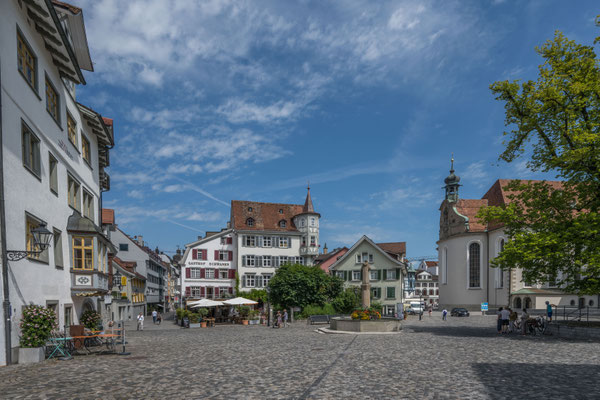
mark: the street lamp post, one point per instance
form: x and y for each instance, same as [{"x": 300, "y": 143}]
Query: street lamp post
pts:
[{"x": 41, "y": 241}]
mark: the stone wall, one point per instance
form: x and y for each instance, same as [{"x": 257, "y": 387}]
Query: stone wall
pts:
[{"x": 574, "y": 332}]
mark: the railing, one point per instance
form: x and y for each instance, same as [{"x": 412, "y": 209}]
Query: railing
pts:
[
  {"x": 309, "y": 250},
  {"x": 572, "y": 315}
]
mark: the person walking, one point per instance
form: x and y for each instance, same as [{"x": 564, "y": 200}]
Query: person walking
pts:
[
  {"x": 285, "y": 318},
  {"x": 140, "y": 322},
  {"x": 429, "y": 310},
  {"x": 154, "y": 315},
  {"x": 549, "y": 310},
  {"x": 278, "y": 319},
  {"x": 504, "y": 316},
  {"x": 524, "y": 318},
  {"x": 159, "y": 318},
  {"x": 444, "y": 314}
]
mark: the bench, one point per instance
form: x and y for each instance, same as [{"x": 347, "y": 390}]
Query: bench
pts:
[{"x": 318, "y": 319}]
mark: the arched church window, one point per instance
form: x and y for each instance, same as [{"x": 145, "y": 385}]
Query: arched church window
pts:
[{"x": 474, "y": 265}]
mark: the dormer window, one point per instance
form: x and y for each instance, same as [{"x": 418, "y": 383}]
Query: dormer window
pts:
[
  {"x": 281, "y": 211},
  {"x": 249, "y": 209},
  {"x": 250, "y": 222},
  {"x": 282, "y": 223}
]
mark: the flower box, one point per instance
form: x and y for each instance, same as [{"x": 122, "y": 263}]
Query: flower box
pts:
[
  {"x": 195, "y": 325},
  {"x": 30, "y": 355}
]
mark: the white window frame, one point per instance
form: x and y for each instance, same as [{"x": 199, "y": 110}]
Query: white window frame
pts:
[
  {"x": 358, "y": 259},
  {"x": 283, "y": 242},
  {"x": 194, "y": 273},
  {"x": 339, "y": 274},
  {"x": 371, "y": 273},
  {"x": 312, "y": 221},
  {"x": 195, "y": 291},
  {"x": 224, "y": 255},
  {"x": 283, "y": 260},
  {"x": 250, "y": 241},
  {"x": 250, "y": 260},
  {"x": 356, "y": 275},
  {"x": 223, "y": 274},
  {"x": 390, "y": 274},
  {"x": 250, "y": 280},
  {"x": 267, "y": 261},
  {"x": 266, "y": 279},
  {"x": 209, "y": 273},
  {"x": 267, "y": 241}
]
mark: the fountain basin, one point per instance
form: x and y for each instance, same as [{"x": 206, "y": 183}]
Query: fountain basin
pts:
[{"x": 357, "y": 325}]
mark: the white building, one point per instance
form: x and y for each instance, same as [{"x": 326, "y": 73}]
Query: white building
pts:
[
  {"x": 426, "y": 287},
  {"x": 149, "y": 265},
  {"x": 54, "y": 152},
  {"x": 268, "y": 235},
  {"x": 208, "y": 267},
  {"x": 466, "y": 245}
]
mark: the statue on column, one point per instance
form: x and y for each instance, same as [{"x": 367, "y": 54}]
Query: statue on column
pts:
[{"x": 366, "y": 285}]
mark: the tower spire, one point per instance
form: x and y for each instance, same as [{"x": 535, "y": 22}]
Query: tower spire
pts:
[
  {"x": 308, "y": 205},
  {"x": 452, "y": 183},
  {"x": 452, "y": 163}
]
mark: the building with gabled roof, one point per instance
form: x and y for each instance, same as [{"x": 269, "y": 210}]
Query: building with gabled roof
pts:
[{"x": 466, "y": 245}]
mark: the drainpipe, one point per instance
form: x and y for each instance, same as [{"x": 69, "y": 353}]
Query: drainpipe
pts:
[
  {"x": 6, "y": 298},
  {"x": 487, "y": 269}
]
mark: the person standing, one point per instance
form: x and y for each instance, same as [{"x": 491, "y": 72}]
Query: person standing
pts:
[
  {"x": 499, "y": 321},
  {"x": 159, "y": 318},
  {"x": 430, "y": 309},
  {"x": 285, "y": 318},
  {"x": 140, "y": 322},
  {"x": 524, "y": 318},
  {"x": 154, "y": 315},
  {"x": 549, "y": 310},
  {"x": 444, "y": 314},
  {"x": 278, "y": 319},
  {"x": 505, "y": 315},
  {"x": 511, "y": 320}
]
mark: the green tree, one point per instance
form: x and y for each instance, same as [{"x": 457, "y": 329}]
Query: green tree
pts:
[
  {"x": 295, "y": 285},
  {"x": 257, "y": 294},
  {"x": 554, "y": 229},
  {"x": 347, "y": 301}
]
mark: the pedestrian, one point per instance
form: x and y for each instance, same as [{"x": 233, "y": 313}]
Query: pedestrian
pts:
[
  {"x": 549, "y": 310},
  {"x": 285, "y": 318},
  {"x": 154, "y": 315},
  {"x": 140, "y": 322},
  {"x": 499, "y": 321},
  {"x": 159, "y": 318},
  {"x": 524, "y": 318},
  {"x": 444, "y": 314},
  {"x": 505, "y": 315},
  {"x": 512, "y": 319},
  {"x": 429, "y": 310},
  {"x": 279, "y": 319}
]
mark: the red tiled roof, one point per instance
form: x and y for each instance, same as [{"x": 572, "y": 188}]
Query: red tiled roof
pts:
[
  {"x": 393, "y": 247},
  {"x": 324, "y": 257},
  {"x": 431, "y": 263},
  {"x": 470, "y": 208},
  {"x": 265, "y": 216},
  {"x": 128, "y": 266},
  {"x": 108, "y": 216},
  {"x": 70, "y": 7},
  {"x": 107, "y": 121}
]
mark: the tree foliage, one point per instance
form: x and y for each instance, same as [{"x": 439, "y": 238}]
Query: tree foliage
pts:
[
  {"x": 299, "y": 285},
  {"x": 347, "y": 301},
  {"x": 554, "y": 230}
]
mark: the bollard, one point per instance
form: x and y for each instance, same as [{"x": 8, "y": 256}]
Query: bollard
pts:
[{"x": 123, "y": 353}]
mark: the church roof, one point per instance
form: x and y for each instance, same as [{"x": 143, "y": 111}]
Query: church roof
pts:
[{"x": 265, "y": 216}]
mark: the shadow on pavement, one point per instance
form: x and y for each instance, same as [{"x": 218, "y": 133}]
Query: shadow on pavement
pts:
[
  {"x": 539, "y": 381},
  {"x": 457, "y": 331}
]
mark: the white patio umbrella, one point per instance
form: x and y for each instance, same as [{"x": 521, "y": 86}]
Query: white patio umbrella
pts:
[
  {"x": 239, "y": 301},
  {"x": 205, "y": 303}
]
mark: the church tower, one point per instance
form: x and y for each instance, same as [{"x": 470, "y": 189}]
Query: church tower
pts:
[
  {"x": 307, "y": 222},
  {"x": 452, "y": 184}
]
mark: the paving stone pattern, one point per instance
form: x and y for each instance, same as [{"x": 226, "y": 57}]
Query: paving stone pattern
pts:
[{"x": 462, "y": 358}]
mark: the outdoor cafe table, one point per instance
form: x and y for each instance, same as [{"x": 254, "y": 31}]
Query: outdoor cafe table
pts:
[
  {"x": 95, "y": 340},
  {"x": 61, "y": 347}
]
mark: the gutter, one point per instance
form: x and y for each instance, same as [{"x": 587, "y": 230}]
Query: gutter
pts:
[{"x": 5, "y": 287}]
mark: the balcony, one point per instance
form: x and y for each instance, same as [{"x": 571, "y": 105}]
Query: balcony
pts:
[
  {"x": 88, "y": 283},
  {"x": 309, "y": 250},
  {"x": 104, "y": 181}
]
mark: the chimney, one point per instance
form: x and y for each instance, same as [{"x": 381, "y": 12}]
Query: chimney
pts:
[
  {"x": 156, "y": 250},
  {"x": 140, "y": 240},
  {"x": 325, "y": 249},
  {"x": 200, "y": 237}
]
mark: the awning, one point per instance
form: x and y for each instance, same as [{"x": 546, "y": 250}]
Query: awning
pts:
[
  {"x": 240, "y": 301},
  {"x": 204, "y": 303}
]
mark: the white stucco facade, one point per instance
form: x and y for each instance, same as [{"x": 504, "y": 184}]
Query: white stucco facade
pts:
[
  {"x": 209, "y": 267},
  {"x": 36, "y": 184}
]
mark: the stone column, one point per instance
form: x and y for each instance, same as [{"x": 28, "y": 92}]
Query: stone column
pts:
[{"x": 365, "y": 286}]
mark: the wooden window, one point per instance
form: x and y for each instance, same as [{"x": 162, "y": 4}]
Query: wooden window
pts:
[
  {"x": 88, "y": 205},
  {"x": 474, "y": 265},
  {"x": 27, "y": 62},
  {"x": 74, "y": 196},
  {"x": 58, "y": 249},
  {"x": 85, "y": 150},
  {"x": 52, "y": 101},
  {"x": 250, "y": 222},
  {"x": 32, "y": 223},
  {"x": 390, "y": 293},
  {"x": 31, "y": 150},
  {"x": 83, "y": 253},
  {"x": 72, "y": 130},
  {"x": 53, "y": 173},
  {"x": 123, "y": 247}
]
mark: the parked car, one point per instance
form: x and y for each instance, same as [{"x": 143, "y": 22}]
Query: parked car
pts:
[
  {"x": 409, "y": 311},
  {"x": 459, "y": 312}
]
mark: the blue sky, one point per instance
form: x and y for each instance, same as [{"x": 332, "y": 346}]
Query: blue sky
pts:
[{"x": 223, "y": 100}]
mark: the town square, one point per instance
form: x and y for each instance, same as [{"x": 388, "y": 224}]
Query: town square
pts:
[{"x": 299, "y": 199}]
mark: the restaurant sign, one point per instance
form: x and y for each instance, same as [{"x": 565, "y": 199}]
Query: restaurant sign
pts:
[{"x": 209, "y": 264}]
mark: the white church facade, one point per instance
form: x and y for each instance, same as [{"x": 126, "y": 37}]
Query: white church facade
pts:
[{"x": 466, "y": 247}]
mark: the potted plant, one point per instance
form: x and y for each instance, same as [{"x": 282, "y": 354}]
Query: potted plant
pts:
[
  {"x": 179, "y": 315},
  {"x": 244, "y": 313},
  {"x": 254, "y": 317},
  {"x": 194, "y": 320},
  {"x": 36, "y": 325},
  {"x": 202, "y": 312}
]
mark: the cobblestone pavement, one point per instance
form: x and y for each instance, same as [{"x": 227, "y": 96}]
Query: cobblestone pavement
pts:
[{"x": 462, "y": 358}]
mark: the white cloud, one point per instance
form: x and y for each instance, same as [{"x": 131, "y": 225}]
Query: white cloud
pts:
[
  {"x": 238, "y": 111},
  {"x": 136, "y": 194},
  {"x": 476, "y": 174}
]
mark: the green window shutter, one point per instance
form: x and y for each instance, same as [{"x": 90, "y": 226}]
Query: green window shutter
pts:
[
  {"x": 397, "y": 273},
  {"x": 346, "y": 278},
  {"x": 378, "y": 274}
]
